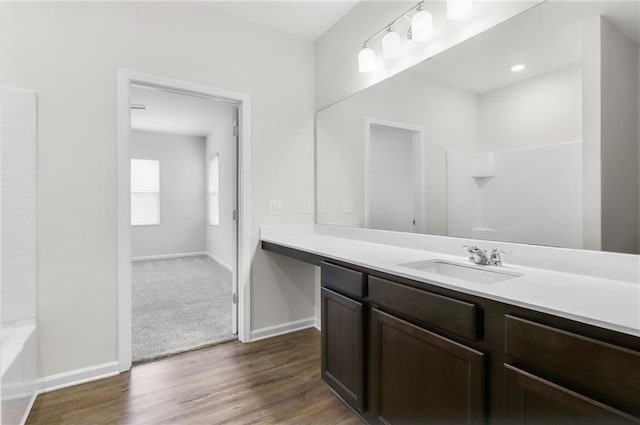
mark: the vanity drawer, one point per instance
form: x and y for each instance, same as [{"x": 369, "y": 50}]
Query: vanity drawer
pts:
[
  {"x": 588, "y": 365},
  {"x": 449, "y": 314},
  {"x": 343, "y": 279}
]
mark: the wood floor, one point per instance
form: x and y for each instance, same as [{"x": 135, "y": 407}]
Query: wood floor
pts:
[{"x": 274, "y": 381}]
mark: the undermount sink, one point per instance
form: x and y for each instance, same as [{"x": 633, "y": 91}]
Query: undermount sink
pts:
[{"x": 466, "y": 272}]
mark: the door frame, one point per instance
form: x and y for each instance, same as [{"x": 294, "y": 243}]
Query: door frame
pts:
[
  {"x": 241, "y": 273},
  {"x": 419, "y": 146}
]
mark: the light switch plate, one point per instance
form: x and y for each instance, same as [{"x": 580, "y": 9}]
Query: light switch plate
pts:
[
  {"x": 306, "y": 206},
  {"x": 322, "y": 206},
  {"x": 347, "y": 206},
  {"x": 275, "y": 207}
]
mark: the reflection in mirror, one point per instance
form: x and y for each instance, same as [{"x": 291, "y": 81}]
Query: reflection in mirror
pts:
[{"x": 527, "y": 133}]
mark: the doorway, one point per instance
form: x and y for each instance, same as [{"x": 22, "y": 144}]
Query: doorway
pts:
[
  {"x": 394, "y": 176},
  {"x": 183, "y": 191}
]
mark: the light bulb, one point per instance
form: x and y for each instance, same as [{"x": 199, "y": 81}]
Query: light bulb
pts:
[
  {"x": 518, "y": 68},
  {"x": 366, "y": 59},
  {"x": 421, "y": 25},
  {"x": 391, "y": 45},
  {"x": 459, "y": 9}
]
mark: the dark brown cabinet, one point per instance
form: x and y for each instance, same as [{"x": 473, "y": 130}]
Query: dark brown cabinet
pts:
[
  {"x": 404, "y": 352},
  {"x": 560, "y": 377},
  {"x": 342, "y": 347},
  {"x": 421, "y": 377},
  {"x": 532, "y": 400},
  {"x": 448, "y": 314}
]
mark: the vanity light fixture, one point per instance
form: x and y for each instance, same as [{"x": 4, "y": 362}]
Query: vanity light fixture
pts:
[
  {"x": 459, "y": 9},
  {"x": 366, "y": 59},
  {"x": 391, "y": 44},
  {"x": 421, "y": 25},
  {"x": 420, "y": 29},
  {"x": 392, "y": 41},
  {"x": 517, "y": 68}
]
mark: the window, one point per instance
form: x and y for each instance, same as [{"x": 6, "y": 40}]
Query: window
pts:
[
  {"x": 145, "y": 192},
  {"x": 214, "y": 195}
]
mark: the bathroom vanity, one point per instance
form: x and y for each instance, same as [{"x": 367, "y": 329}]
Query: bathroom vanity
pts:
[
  {"x": 402, "y": 344},
  {"x": 523, "y": 138}
]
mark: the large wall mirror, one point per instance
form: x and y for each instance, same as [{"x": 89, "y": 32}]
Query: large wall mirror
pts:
[{"x": 526, "y": 133}]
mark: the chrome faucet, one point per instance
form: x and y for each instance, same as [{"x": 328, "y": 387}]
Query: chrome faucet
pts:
[
  {"x": 479, "y": 256},
  {"x": 495, "y": 259}
]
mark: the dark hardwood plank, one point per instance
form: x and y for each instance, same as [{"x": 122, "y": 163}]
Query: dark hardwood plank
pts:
[{"x": 274, "y": 381}]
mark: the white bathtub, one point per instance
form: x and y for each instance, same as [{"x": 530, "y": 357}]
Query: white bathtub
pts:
[{"x": 18, "y": 366}]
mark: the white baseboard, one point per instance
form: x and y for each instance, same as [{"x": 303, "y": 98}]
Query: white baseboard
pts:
[
  {"x": 218, "y": 260},
  {"x": 76, "y": 377},
  {"x": 316, "y": 323},
  {"x": 168, "y": 256},
  {"x": 284, "y": 328}
]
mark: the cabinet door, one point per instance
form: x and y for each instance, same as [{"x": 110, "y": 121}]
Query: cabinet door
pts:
[
  {"x": 342, "y": 347},
  {"x": 422, "y": 377},
  {"x": 532, "y": 400}
]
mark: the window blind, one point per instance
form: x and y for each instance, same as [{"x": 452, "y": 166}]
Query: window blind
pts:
[{"x": 145, "y": 192}]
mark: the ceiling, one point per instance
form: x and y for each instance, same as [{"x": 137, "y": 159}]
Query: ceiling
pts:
[
  {"x": 545, "y": 39},
  {"x": 176, "y": 113},
  {"x": 173, "y": 113},
  {"x": 306, "y": 19}
]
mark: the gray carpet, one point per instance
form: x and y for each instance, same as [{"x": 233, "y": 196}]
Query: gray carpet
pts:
[{"x": 178, "y": 305}]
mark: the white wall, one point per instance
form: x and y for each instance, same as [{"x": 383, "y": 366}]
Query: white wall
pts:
[
  {"x": 222, "y": 142},
  {"x": 543, "y": 110},
  {"x": 531, "y": 134},
  {"x": 619, "y": 90},
  {"x": 18, "y": 249},
  {"x": 539, "y": 111},
  {"x": 182, "y": 194},
  {"x": 591, "y": 131},
  {"x": 69, "y": 54},
  {"x": 611, "y": 138},
  {"x": 18, "y": 262},
  {"x": 392, "y": 179},
  {"x": 448, "y": 114},
  {"x": 531, "y": 195},
  {"x": 337, "y": 49}
]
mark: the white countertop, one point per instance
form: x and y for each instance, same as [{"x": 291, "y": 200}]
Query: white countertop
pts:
[{"x": 607, "y": 303}]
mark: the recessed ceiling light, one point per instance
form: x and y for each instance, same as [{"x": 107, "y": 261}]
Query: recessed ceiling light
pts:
[{"x": 518, "y": 68}]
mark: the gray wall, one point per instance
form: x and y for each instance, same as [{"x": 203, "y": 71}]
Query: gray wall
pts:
[
  {"x": 182, "y": 194},
  {"x": 619, "y": 141},
  {"x": 449, "y": 116},
  {"x": 543, "y": 110},
  {"x": 75, "y": 50},
  {"x": 222, "y": 142},
  {"x": 337, "y": 75},
  {"x": 611, "y": 138},
  {"x": 18, "y": 185},
  {"x": 591, "y": 134}
]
